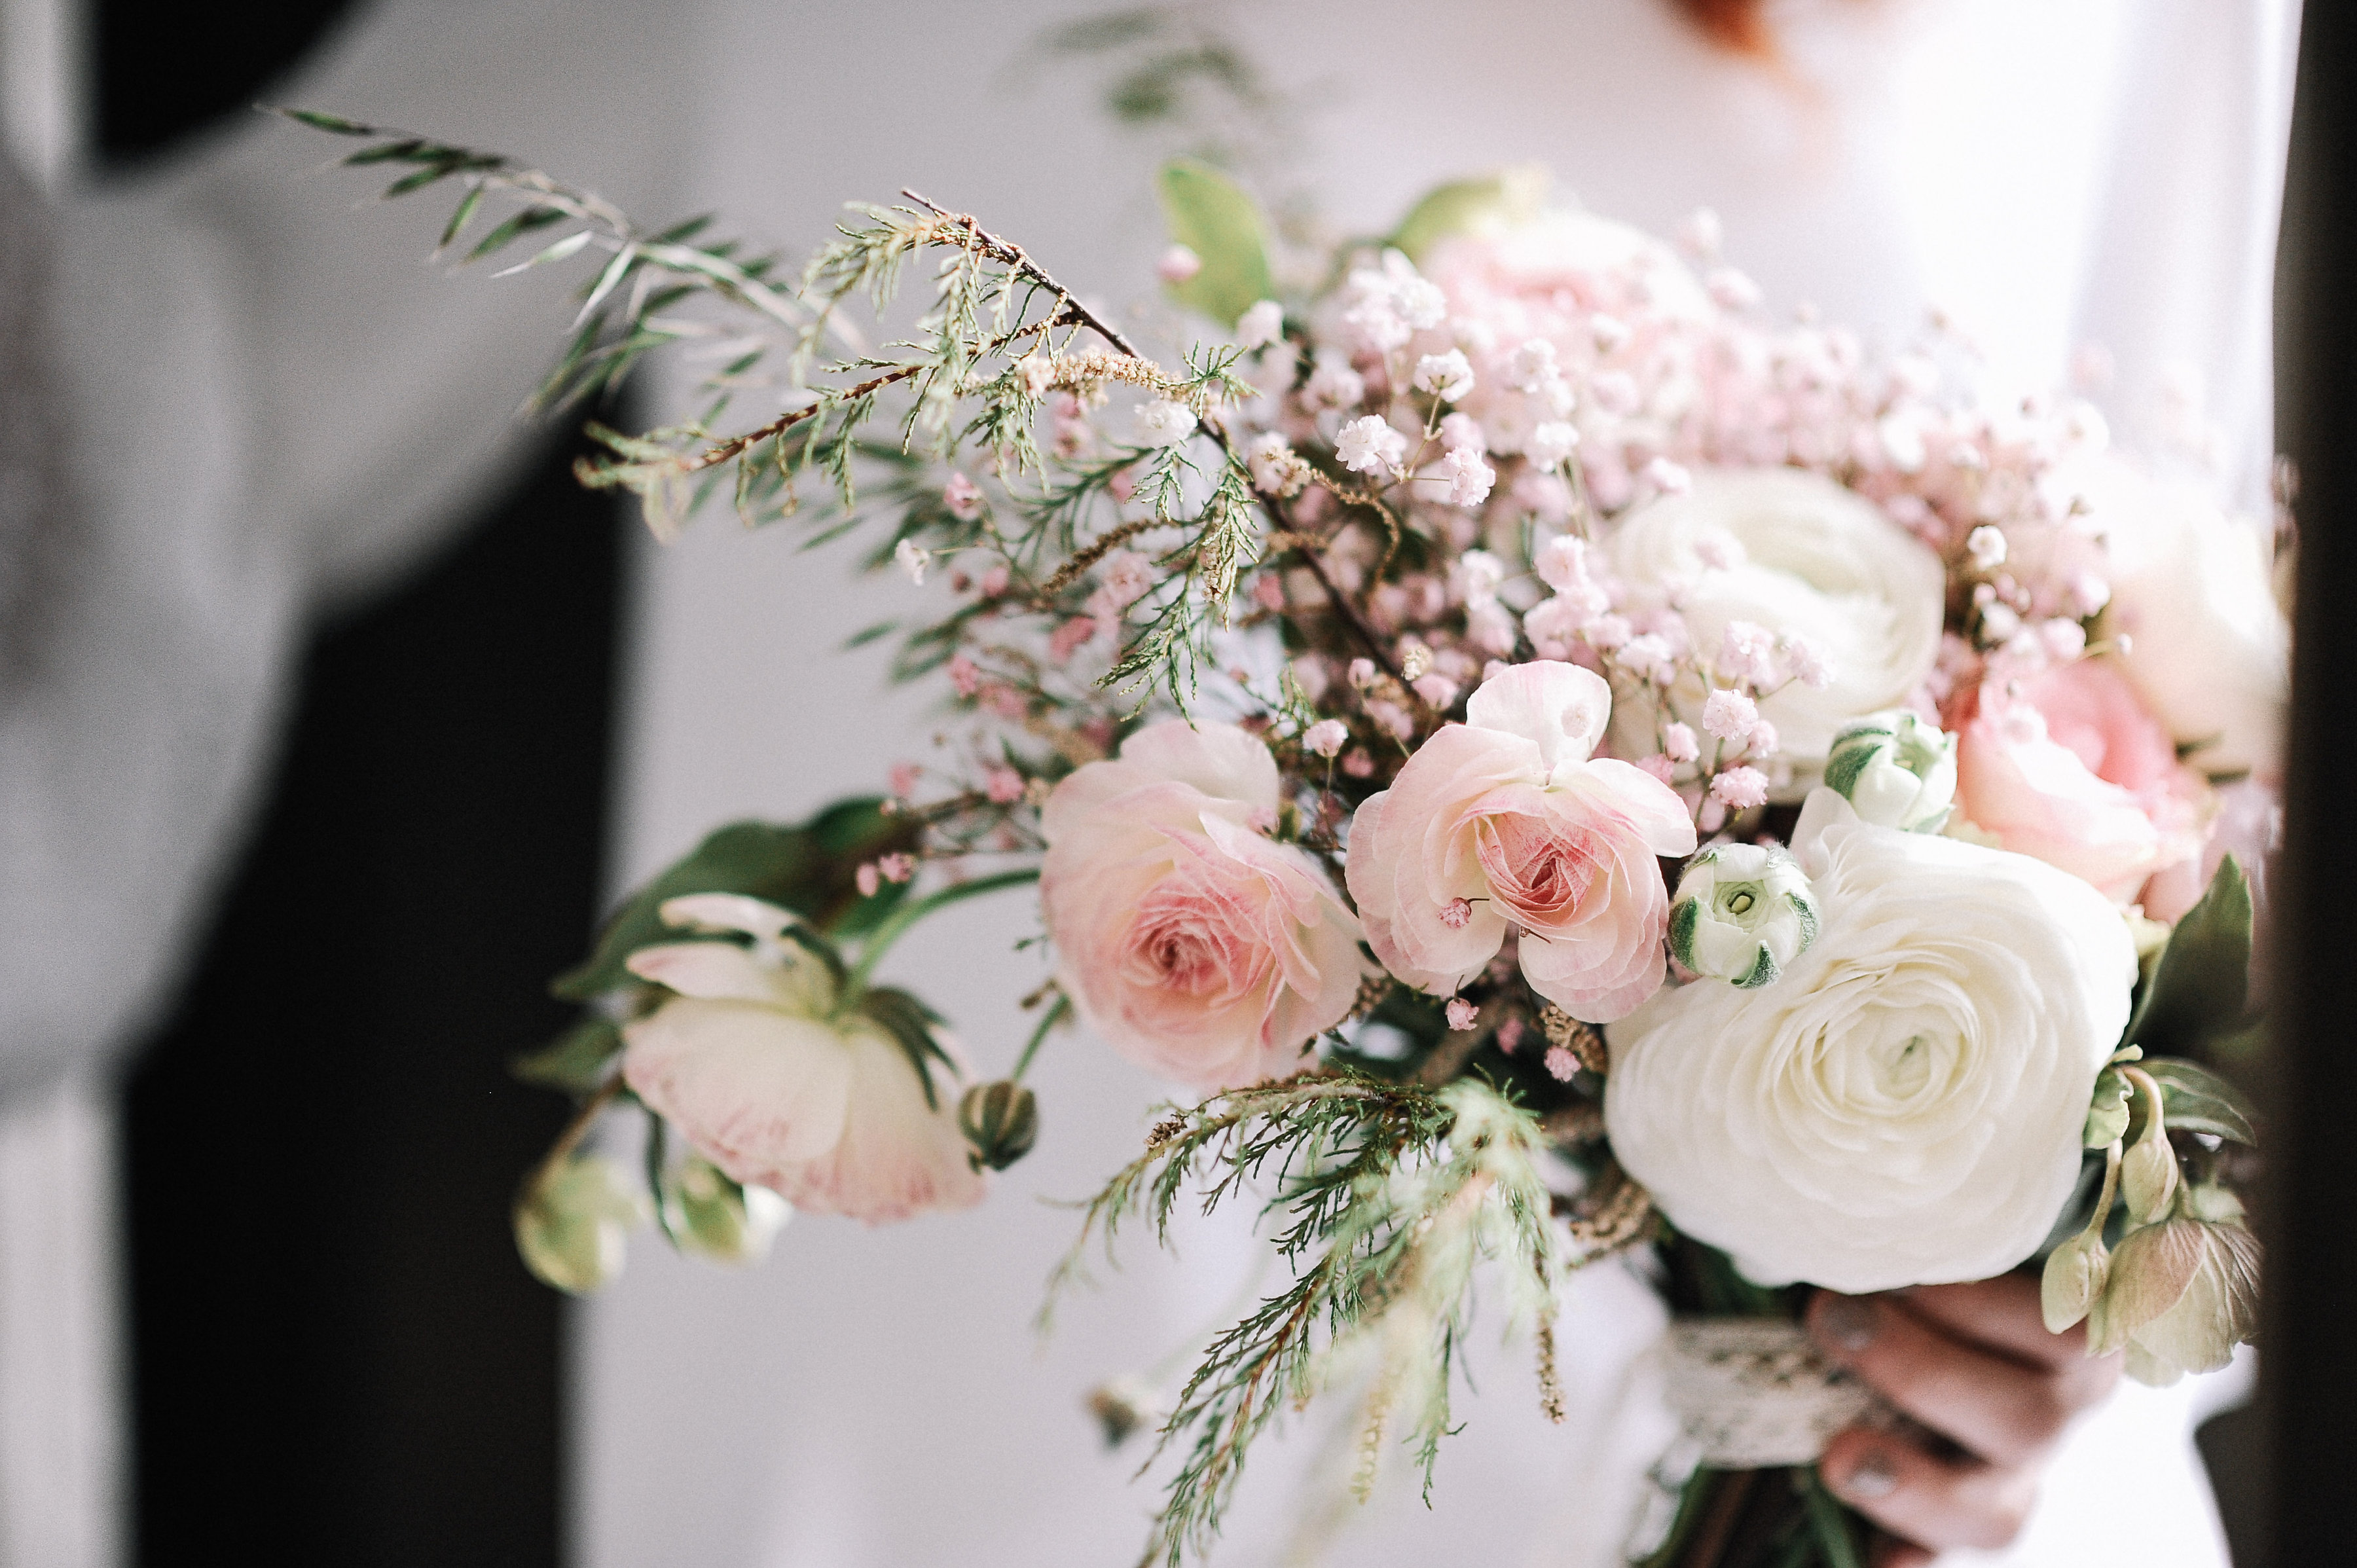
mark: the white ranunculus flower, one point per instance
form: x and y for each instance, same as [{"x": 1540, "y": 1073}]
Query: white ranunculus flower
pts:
[
  {"x": 2193, "y": 592},
  {"x": 1742, "y": 914},
  {"x": 1896, "y": 770},
  {"x": 1816, "y": 561},
  {"x": 1905, "y": 1105},
  {"x": 764, "y": 1075}
]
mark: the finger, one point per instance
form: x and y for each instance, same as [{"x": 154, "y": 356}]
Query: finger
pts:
[
  {"x": 2004, "y": 1314},
  {"x": 1993, "y": 1405},
  {"x": 1932, "y": 1503},
  {"x": 1897, "y": 1553}
]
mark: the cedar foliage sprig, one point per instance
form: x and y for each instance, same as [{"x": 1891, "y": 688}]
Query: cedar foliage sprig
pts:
[
  {"x": 998, "y": 335},
  {"x": 1387, "y": 1196}
]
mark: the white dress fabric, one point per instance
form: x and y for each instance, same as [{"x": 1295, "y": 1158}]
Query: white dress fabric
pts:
[{"x": 277, "y": 406}]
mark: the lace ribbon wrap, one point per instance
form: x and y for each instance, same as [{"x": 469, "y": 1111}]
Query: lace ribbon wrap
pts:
[{"x": 1753, "y": 1392}]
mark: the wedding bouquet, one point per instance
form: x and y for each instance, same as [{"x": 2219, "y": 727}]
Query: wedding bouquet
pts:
[{"x": 1553, "y": 761}]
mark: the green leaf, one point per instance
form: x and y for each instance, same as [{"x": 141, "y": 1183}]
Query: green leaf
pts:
[
  {"x": 811, "y": 869},
  {"x": 1455, "y": 208},
  {"x": 420, "y": 179},
  {"x": 578, "y": 1061},
  {"x": 334, "y": 125},
  {"x": 513, "y": 227},
  {"x": 912, "y": 1025},
  {"x": 565, "y": 247},
  {"x": 2195, "y": 1100},
  {"x": 2201, "y": 984},
  {"x": 390, "y": 152},
  {"x": 1211, "y": 215},
  {"x": 468, "y": 206}
]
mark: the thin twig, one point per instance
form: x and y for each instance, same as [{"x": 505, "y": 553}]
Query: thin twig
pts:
[
  {"x": 1014, "y": 255},
  {"x": 722, "y": 451}
]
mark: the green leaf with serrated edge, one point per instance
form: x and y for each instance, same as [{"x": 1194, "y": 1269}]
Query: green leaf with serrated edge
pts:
[
  {"x": 2107, "y": 1114},
  {"x": 2195, "y": 1099},
  {"x": 578, "y": 1061},
  {"x": 1450, "y": 209},
  {"x": 1211, "y": 215},
  {"x": 811, "y": 869},
  {"x": 2202, "y": 982}
]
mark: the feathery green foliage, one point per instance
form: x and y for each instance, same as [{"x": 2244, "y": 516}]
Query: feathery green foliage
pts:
[
  {"x": 998, "y": 335},
  {"x": 1387, "y": 1196}
]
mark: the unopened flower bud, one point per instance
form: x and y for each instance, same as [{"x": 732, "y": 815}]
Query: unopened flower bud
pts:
[
  {"x": 1896, "y": 770},
  {"x": 724, "y": 1220},
  {"x": 2148, "y": 1173},
  {"x": 574, "y": 1224},
  {"x": 1742, "y": 914},
  {"x": 1001, "y": 1121},
  {"x": 2073, "y": 1281}
]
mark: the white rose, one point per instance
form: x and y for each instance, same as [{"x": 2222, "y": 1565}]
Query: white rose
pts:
[
  {"x": 1816, "y": 561},
  {"x": 2192, "y": 590},
  {"x": 1904, "y": 1106}
]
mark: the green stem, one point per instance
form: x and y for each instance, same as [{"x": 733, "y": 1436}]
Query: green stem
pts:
[
  {"x": 1056, "y": 1011},
  {"x": 880, "y": 940}
]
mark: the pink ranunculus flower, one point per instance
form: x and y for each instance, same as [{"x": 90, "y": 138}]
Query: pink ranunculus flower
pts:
[
  {"x": 2070, "y": 767},
  {"x": 751, "y": 1062},
  {"x": 1196, "y": 946},
  {"x": 1511, "y": 815}
]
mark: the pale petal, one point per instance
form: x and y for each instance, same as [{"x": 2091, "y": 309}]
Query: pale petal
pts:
[
  {"x": 1560, "y": 708},
  {"x": 749, "y": 1088},
  {"x": 716, "y": 971},
  {"x": 723, "y": 912},
  {"x": 1651, "y": 807},
  {"x": 1222, "y": 760},
  {"x": 897, "y": 1155}
]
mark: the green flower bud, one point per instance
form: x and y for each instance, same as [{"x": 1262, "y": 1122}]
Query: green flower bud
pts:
[
  {"x": 724, "y": 1220},
  {"x": 1897, "y": 770},
  {"x": 1743, "y": 912},
  {"x": 573, "y": 1225},
  {"x": 2148, "y": 1174},
  {"x": 1001, "y": 1121},
  {"x": 2073, "y": 1281}
]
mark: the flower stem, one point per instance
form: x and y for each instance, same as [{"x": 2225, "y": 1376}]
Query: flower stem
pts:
[
  {"x": 1056, "y": 1012},
  {"x": 897, "y": 923}
]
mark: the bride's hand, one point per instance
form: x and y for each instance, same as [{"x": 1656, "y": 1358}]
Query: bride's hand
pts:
[{"x": 1976, "y": 1364}]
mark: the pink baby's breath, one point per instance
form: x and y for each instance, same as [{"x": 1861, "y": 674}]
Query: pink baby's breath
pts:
[{"x": 1740, "y": 788}]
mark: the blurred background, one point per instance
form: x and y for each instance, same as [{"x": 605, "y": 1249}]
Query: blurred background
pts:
[{"x": 332, "y": 715}]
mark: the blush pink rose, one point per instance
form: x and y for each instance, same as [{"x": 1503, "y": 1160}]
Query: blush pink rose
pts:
[
  {"x": 1192, "y": 943},
  {"x": 1507, "y": 820},
  {"x": 2070, "y": 767}
]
